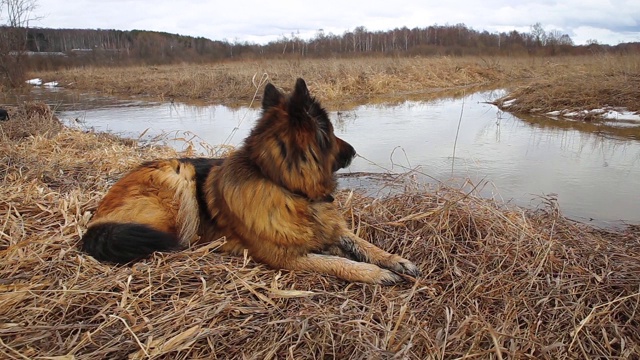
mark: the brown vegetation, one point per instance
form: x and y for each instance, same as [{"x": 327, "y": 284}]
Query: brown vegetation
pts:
[
  {"x": 51, "y": 49},
  {"x": 29, "y": 119},
  {"x": 117, "y": 47},
  {"x": 497, "y": 282},
  {"x": 16, "y": 15},
  {"x": 333, "y": 80},
  {"x": 544, "y": 83},
  {"x": 606, "y": 82}
]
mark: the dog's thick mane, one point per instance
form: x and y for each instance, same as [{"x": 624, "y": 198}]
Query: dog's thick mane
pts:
[{"x": 293, "y": 143}]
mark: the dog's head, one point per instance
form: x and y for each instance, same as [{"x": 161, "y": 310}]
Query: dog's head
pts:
[{"x": 294, "y": 145}]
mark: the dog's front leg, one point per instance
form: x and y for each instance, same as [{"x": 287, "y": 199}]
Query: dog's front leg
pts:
[
  {"x": 346, "y": 269},
  {"x": 362, "y": 250}
]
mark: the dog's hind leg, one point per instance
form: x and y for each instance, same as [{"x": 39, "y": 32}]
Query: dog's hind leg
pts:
[
  {"x": 362, "y": 250},
  {"x": 346, "y": 269}
]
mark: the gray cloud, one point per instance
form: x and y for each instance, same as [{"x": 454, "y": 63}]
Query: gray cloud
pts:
[{"x": 607, "y": 21}]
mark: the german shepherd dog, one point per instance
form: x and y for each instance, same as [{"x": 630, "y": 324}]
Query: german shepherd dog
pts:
[{"x": 272, "y": 196}]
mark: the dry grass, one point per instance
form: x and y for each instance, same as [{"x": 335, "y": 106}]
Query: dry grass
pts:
[
  {"x": 541, "y": 83},
  {"x": 498, "y": 283},
  {"x": 607, "y": 81},
  {"x": 30, "y": 118},
  {"x": 333, "y": 80}
]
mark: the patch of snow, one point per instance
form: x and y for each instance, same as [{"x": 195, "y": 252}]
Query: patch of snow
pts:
[
  {"x": 609, "y": 113},
  {"x": 50, "y": 84},
  {"x": 580, "y": 114},
  {"x": 36, "y": 82},
  {"x": 621, "y": 115},
  {"x": 508, "y": 103}
]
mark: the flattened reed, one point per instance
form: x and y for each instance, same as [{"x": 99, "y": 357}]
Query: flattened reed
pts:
[{"x": 498, "y": 282}]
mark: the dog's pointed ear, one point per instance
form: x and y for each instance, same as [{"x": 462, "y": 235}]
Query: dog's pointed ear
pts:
[
  {"x": 299, "y": 102},
  {"x": 272, "y": 97},
  {"x": 300, "y": 92}
]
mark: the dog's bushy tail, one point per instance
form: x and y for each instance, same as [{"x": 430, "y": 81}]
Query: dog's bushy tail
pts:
[{"x": 125, "y": 242}]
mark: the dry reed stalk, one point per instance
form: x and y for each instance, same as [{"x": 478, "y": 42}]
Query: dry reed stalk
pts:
[{"x": 498, "y": 282}]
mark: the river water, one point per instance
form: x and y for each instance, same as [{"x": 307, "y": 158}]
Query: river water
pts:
[{"x": 593, "y": 170}]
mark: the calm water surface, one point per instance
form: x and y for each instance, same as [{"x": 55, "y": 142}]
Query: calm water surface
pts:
[{"x": 593, "y": 170}]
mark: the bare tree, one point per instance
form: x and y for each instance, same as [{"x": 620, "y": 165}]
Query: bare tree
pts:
[
  {"x": 539, "y": 34},
  {"x": 15, "y": 16},
  {"x": 19, "y": 12}
]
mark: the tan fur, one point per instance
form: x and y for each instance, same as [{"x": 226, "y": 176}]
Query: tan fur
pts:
[
  {"x": 148, "y": 195},
  {"x": 271, "y": 197}
]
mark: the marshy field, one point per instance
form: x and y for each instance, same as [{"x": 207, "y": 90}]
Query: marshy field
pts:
[
  {"x": 499, "y": 281},
  {"x": 569, "y": 81}
]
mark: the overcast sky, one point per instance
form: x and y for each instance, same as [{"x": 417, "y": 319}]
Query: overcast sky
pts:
[{"x": 609, "y": 22}]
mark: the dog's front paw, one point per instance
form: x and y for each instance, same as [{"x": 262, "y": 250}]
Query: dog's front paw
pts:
[
  {"x": 388, "y": 277},
  {"x": 404, "y": 266}
]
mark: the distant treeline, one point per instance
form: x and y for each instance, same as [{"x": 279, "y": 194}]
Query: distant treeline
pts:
[{"x": 71, "y": 47}]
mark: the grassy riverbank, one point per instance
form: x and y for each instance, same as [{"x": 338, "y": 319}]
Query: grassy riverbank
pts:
[
  {"x": 342, "y": 81},
  {"x": 499, "y": 282},
  {"x": 611, "y": 82}
]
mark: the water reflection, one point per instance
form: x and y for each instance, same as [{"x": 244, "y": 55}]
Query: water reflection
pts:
[{"x": 592, "y": 167}]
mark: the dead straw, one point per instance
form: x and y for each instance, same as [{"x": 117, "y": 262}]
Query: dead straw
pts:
[
  {"x": 603, "y": 82},
  {"x": 498, "y": 282}
]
